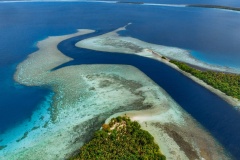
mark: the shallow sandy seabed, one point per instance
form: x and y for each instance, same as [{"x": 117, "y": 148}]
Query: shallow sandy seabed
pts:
[
  {"x": 113, "y": 42},
  {"x": 85, "y": 96}
]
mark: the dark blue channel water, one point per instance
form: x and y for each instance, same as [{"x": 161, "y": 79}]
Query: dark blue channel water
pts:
[
  {"x": 211, "y": 111},
  {"x": 214, "y": 34}
]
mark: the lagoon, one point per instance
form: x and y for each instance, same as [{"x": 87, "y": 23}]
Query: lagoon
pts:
[{"x": 214, "y": 34}]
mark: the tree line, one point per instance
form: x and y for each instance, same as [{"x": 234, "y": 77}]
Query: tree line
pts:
[
  {"x": 226, "y": 82},
  {"x": 121, "y": 139}
]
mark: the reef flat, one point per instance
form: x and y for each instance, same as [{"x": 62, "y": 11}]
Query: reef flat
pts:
[
  {"x": 113, "y": 42},
  {"x": 84, "y": 97},
  {"x": 178, "y": 135}
]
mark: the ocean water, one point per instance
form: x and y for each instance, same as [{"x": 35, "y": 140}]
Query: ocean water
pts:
[
  {"x": 233, "y": 3},
  {"x": 209, "y": 34}
]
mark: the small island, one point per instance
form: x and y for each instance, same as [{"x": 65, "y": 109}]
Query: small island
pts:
[
  {"x": 214, "y": 6},
  {"x": 228, "y": 83},
  {"x": 221, "y": 80},
  {"x": 120, "y": 139}
]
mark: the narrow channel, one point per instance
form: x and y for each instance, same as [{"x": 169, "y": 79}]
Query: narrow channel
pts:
[{"x": 217, "y": 116}]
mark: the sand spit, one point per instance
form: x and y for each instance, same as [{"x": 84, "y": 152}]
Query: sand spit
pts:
[
  {"x": 112, "y": 42},
  {"x": 178, "y": 135},
  {"x": 84, "y": 97},
  {"x": 230, "y": 100}
]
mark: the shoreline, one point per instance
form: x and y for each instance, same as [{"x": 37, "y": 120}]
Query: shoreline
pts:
[
  {"x": 173, "y": 136},
  {"x": 237, "y": 9},
  {"x": 232, "y": 101},
  {"x": 113, "y": 42}
]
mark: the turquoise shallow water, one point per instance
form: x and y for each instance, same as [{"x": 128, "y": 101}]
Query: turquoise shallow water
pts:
[
  {"x": 213, "y": 34},
  {"x": 207, "y": 108}
]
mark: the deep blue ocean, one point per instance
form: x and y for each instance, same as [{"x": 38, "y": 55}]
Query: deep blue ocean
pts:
[{"x": 211, "y": 35}]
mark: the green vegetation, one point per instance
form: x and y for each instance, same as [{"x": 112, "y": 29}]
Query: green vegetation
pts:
[
  {"x": 121, "y": 139},
  {"x": 164, "y": 57},
  {"x": 214, "y": 6},
  {"x": 225, "y": 82}
]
